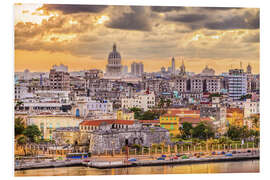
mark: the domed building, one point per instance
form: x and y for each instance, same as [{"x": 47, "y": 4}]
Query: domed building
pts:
[
  {"x": 208, "y": 71},
  {"x": 114, "y": 66}
]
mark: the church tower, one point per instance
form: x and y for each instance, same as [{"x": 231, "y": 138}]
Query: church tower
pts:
[{"x": 114, "y": 66}]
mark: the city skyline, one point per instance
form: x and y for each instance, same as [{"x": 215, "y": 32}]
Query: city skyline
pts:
[{"x": 82, "y": 36}]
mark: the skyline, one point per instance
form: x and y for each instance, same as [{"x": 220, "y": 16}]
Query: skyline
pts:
[{"x": 81, "y": 36}]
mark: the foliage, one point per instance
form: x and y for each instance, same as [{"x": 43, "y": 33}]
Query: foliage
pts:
[
  {"x": 235, "y": 132},
  {"x": 185, "y": 130},
  {"x": 147, "y": 115},
  {"x": 19, "y": 126},
  {"x": 21, "y": 141},
  {"x": 202, "y": 131},
  {"x": 214, "y": 95},
  {"x": 244, "y": 97},
  {"x": 32, "y": 132}
]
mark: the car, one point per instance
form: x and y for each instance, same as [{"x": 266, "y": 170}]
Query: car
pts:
[
  {"x": 86, "y": 160},
  {"x": 175, "y": 157},
  {"x": 213, "y": 153},
  {"x": 249, "y": 151},
  {"x": 185, "y": 157},
  {"x": 163, "y": 155},
  {"x": 161, "y": 158},
  {"x": 178, "y": 155},
  {"x": 234, "y": 152},
  {"x": 228, "y": 154},
  {"x": 222, "y": 152},
  {"x": 132, "y": 159}
]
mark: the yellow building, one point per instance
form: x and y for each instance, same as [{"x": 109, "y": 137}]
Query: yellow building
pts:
[
  {"x": 235, "y": 116},
  {"x": 47, "y": 123},
  {"x": 125, "y": 115},
  {"x": 172, "y": 119}
]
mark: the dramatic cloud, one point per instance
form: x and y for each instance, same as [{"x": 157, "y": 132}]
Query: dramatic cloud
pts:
[
  {"x": 135, "y": 20},
  {"x": 166, "y": 8},
  {"x": 186, "y": 18},
  {"x": 70, "y": 9},
  {"x": 243, "y": 21}
]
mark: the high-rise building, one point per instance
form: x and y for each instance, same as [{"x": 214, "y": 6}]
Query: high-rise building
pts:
[
  {"x": 59, "y": 78},
  {"x": 137, "y": 69},
  {"x": 114, "y": 66},
  {"x": 237, "y": 83}
]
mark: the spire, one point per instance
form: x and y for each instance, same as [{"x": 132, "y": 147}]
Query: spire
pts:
[{"x": 114, "y": 47}]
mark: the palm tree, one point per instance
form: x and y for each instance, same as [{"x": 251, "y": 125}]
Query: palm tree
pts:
[
  {"x": 21, "y": 141},
  {"x": 18, "y": 104}
]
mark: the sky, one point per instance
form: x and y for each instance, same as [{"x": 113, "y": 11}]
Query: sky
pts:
[{"x": 82, "y": 36}]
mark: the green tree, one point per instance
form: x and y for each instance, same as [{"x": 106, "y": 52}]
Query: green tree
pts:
[
  {"x": 137, "y": 112},
  {"x": 19, "y": 126},
  {"x": 18, "y": 104},
  {"x": 161, "y": 103},
  {"x": 168, "y": 103},
  {"x": 21, "y": 141},
  {"x": 203, "y": 131},
  {"x": 32, "y": 133},
  {"x": 185, "y": 130}
]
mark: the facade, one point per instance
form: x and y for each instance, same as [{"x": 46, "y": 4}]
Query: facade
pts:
[
  {"x": 112, "y": 135},
  {"x": 125, "y": 115},
  {"x": 114, "y": 66},
  {"x": 59, "y": 80},
  {"x": 175, "y": 117},
  {"x": 137, "y": 69},
  {"x": 47, "y": 123},
  {"x": 237, "y": 82},
  {"x": 235, "y": 116},
  {"x": 66, "y": 135},
  {"x": 144, "y": 100}
]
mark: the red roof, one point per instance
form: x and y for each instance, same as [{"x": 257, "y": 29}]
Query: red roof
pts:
[
  {"x": 231, "y": 110},
  {"x": 109, "y": 121},
  {"x": 149, "y": 121}
]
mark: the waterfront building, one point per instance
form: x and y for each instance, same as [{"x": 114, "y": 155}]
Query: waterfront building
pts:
[
  {"x": 48, "y": 122},
  {"x": 174, "y": 117},
  {"x": 112, "y": 135},
  {"x": 114, "y": 66},
  {"x": 144, "y": 100},
  {"x": 237, "y": 83},
  {"x": 137, "y": 69},
  {"x": 66, "y": 135}
]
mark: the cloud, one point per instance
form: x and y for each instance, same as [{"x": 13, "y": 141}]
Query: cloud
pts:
[
  {"x": 252, "y": 38},
  {"x": 166, "y": 8},
  {"x": 71, "y": 9},
  {"x": 219, "y": 8},
  {"x": 186, "y": 18},
  {"x": 242, "y": 21},
  {"x": 135, "y": 20}
]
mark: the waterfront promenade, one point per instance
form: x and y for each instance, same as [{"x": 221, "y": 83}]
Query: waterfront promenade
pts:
[{"x": 141, "y": 160}]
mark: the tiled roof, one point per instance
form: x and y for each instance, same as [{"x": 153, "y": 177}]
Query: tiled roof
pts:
[
  {"x": 109, "y": 121},
  {"x": 149, "y": 121}
]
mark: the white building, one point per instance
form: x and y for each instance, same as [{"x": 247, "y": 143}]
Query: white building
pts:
[
  {"x": 237, "y": 81},
  {"x": 137, "y": 69},
  {"x": 143, "y": 100}
]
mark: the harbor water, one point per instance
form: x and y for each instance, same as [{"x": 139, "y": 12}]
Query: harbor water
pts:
[{"x": 251, "y": 166}]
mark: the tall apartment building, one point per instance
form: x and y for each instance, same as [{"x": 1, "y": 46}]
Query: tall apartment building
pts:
[
  {"x": 59, "y": 78},
  {"x": 137, "y": 69},
  {"x": 237, "y": 83}
]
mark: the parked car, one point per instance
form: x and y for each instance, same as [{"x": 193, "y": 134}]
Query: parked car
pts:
[
  {"x": 228, "y": 154},
  {"x": 132, "y": 159},
  {"x": 185, "y": 157},
  {"x": 213, "y": 153},
  {"x": 178, "y": 155},
  {"x": 161, "y": 158},
  {"x": 163, "y": 155},
  {"x": 249, "y": 151},
  {"x": 234, "y": 152},
  {"x": 222, "y": 152}
]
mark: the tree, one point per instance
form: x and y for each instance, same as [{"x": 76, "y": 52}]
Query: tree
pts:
[
  {"x": 32, "y": 132},
  {"x": 161, "y": 103},
  {"x": 185, "y": 130},
  {"x": 21, "y": 141},
  {"x": 19, "y": 126},
  {"x": 18, "y": 104},
  {"x": 168, "y": 103},
  {"x": 137, "y": 112},
  {"x": 203, "y": 131}
]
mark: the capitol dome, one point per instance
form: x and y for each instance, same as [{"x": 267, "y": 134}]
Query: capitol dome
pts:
[
  {"x": 114, "y": 66},
  {"x": 114, "y": 53}
]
